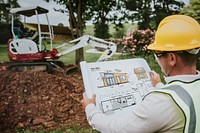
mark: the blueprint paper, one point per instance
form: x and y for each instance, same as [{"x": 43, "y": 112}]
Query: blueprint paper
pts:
[{"x": 118, "y": 85}]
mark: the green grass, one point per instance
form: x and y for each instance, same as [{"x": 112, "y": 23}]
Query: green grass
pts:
[
  {"x": 3, "y": 53},
  {"x": 89, "y": 57},
  {"x": 127, "y": 27},
  {"x": 77, "y": 129},
  {"x": 72, "y": 129},
  {"x": 89, "y": 30},
  {"x": 67, "y": 58},
  {"x": 70, "y": 57}
]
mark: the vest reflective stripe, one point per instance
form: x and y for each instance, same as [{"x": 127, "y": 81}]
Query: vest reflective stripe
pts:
[
  {"x": 185, "y": 96},
  {"x": 185, "y": 100}
]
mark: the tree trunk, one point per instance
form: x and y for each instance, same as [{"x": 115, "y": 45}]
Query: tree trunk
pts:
[
  {"x": 76, "y": 28},
  {"x": 79, "y": 52}
]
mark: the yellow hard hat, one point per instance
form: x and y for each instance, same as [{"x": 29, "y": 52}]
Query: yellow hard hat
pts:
[{"x": 177, "y": 33}]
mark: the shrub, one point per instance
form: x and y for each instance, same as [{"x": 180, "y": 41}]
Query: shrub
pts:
[
  {"x": 119, "y": 32},
  {"x": 5, "y": 33},
  {"x": 119, "y": 43},
  {"x": 136, "y": 42}
]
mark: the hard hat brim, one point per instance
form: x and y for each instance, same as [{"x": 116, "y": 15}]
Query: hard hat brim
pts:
[
  {"x": 157, "y": 47},
  {"x": 154, "y": 47}
]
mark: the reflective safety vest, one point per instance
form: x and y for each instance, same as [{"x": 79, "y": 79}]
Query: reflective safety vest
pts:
[{"x": 187, "y": 96}]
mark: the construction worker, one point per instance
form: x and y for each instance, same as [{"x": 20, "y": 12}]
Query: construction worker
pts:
[{"x": 173, "y": 107}]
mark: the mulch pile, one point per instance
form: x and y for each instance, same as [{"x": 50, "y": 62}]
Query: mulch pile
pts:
[{"x": 39, "y": 100}]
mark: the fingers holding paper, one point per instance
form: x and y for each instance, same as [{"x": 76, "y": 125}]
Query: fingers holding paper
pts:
[
  {"x": 155, "y": 78},
  {"x": 86, "y": 100}
]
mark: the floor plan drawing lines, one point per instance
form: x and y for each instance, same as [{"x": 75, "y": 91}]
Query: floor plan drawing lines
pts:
[{"x": 118, "y": 85}]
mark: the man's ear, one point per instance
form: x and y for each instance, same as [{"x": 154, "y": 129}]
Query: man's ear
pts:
[{"x": 172, "y": 58}]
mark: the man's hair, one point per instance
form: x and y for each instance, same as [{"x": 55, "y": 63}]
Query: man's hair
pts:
[{"x": 189, "y": 59}]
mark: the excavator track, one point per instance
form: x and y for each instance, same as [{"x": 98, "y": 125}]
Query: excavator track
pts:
[
  {"x": 35, "y": 66},
  {"x": 49, "y": 66}
]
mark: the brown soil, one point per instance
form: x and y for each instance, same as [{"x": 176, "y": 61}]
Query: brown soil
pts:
[{"x": 39, "y": 100}]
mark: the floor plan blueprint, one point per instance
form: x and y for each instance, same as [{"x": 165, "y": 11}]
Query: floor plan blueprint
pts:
[{"x": 118, "y": 85}]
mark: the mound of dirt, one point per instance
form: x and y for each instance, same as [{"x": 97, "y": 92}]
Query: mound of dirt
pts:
[{"x": 39, "y": 100}]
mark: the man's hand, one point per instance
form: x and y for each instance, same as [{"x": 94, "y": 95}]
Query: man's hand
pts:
[
  {"x": 155, "y": 78},
  {"x": 85, "y": 101}
]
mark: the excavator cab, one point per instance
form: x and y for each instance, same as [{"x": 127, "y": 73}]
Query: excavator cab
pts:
[
  {"x": 18, "y": 29},
  {"x": 25, "y": 40},
  {"x": 28, "y": 47}
]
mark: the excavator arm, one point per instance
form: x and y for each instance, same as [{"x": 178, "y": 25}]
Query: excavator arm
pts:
[{"x": 86, "y": 40}]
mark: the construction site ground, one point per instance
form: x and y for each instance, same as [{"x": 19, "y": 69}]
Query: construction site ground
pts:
[{"x": 40, "y": 101}]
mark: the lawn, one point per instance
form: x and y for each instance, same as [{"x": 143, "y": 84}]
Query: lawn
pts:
[
  {"x": 3, "y": 53},
  {"x": 67, "y": 59},
  {"x": 74, "y": 129},
  {"x": 89, "y": 57},
  {"x": 89, "y": 30}
]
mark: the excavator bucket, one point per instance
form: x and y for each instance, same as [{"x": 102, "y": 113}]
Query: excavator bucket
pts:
[{"x": 70, "y": 70}]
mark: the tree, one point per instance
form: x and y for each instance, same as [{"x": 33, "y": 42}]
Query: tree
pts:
[
  {"x": 76, "y": 9},
  {"x": 163, "y": 8},
  {"x": 193, "y": 10},
  {"x": 139, "y": 11},
  {"x": 81, "y": 10},
  {"x": 5, "y": 10},
  {"x": 102, "y": 13},
  {"x": 5, "y": 19},
  {"x": 149, "y": 13}
]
